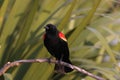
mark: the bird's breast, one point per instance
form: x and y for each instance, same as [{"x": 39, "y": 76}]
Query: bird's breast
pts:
[{"x": 53, "y": 40}]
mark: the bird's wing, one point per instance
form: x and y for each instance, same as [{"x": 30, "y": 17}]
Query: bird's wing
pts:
[{"x": 64, "y": 46}]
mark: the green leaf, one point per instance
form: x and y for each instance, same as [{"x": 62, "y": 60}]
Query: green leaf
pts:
[
  {"x": 67, "y": 16},
  {"x": 84, "y": 22},
  {"x": 104, "y": 43},
  {"x": 8, "y": 76}
]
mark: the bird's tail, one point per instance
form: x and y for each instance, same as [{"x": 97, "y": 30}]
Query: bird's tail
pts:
[{"x": 63, "y": 69}]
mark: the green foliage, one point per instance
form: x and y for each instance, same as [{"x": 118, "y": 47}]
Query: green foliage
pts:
[{"x": 92, "y": 29}]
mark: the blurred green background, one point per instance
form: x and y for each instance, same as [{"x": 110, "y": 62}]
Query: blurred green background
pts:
[{"x": 92, "y": 28}]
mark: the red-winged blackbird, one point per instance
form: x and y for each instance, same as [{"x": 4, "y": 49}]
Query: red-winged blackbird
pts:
[{"x": 57, "y": 46}]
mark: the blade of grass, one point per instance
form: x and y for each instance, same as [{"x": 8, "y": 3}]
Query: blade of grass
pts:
[
  {"x": 11, "y": 22},
  {"x": 2, "y": 18},
  {"x": 84, "y": 22},
  {"x": 25, "y": 27},
  {"x": 104, "y": 43},
  {"x": 2, "y": 13},
  {"x": 67, "y": 15}
]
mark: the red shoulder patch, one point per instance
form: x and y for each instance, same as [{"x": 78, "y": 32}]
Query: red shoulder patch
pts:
[
  {"x": 62, "y": 36},
  {"x": 44, "y": 36}
]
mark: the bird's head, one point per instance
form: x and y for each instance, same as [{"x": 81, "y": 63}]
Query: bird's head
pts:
[{"x": 50, "y": 28}]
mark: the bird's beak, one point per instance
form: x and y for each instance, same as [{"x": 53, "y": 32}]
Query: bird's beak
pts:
[{"x": 46, "y": 27}]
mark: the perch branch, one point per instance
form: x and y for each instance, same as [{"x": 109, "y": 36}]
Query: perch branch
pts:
[{"x": 18, "y": 62}]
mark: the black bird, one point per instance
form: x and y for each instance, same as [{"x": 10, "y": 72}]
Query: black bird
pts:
[{"x": 57, "y": 46}]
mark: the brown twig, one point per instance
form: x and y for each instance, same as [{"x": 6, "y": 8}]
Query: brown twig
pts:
[{"x": 18, "y": 62}]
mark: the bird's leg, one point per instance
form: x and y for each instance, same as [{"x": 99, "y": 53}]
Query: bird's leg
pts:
[
  {"x": 58, "y": 67},
  {"x": 61, "y": 67},
  {"x": 49, "y": 59}
]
